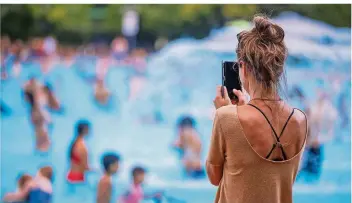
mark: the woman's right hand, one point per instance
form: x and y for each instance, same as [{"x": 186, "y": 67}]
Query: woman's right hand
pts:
[
  {"x": 224, "y": 100},
  {"x": 241, "y": 98}
]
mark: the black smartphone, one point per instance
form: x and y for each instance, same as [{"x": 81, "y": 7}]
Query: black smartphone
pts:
[{"x": 230, "y": 78}]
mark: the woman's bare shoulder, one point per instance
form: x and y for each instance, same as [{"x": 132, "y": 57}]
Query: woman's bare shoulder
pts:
[{"x": 226, "y": 111}]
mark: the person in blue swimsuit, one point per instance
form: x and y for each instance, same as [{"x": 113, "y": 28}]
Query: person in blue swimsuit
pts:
[{"x": 37, "y": 190}]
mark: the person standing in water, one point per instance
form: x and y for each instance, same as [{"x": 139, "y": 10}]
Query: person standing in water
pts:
[
  {"x": 191, "y": 146},
  {"x": 101, "y": 93},
  {"x": 321, "y": 115},
  {"x": 39, "y": 116},
  {"x": 78, "y": 154},
  {"x": 105, "y": 191},
  {"x": 36, "y": 190},
  {"x": 136, "y": 194}
]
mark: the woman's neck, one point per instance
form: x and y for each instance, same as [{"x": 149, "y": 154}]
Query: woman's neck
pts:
[
  {"x": 257, "y": 92},
  {"x": 80, "y": 138}
]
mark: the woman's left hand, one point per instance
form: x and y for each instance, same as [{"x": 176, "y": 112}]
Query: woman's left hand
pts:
[{"x": 220, "y": 101}]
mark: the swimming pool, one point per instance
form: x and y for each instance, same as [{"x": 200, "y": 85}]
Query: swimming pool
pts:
[{"x": 181, "y": 79}]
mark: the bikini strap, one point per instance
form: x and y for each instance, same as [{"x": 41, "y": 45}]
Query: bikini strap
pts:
[{"x": 277, "y": 144}]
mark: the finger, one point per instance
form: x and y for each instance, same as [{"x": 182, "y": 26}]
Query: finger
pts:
[
  {"x": 241, "y": 99},
  {"x": 238, "y": 93},
  {"x": 218, "y": 91}
]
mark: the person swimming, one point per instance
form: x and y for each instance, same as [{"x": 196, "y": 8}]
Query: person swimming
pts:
[
  {"x": 110, "y": 162},
  {"x": 190, "y": 146},
  {"x": 135, "y": 194},
  {"x": 78, "y": 154},
  {"x": 36, "y": 190}
]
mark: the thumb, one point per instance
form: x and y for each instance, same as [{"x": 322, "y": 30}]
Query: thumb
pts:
[
  {"x": 238, "y": 93},
  {"x": 240, "y": 96}
]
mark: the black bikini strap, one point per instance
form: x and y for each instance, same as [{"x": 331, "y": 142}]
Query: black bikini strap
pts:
[
  {"x": 266, "y": 118},
  {"x": 277, "y": 144},
  {"x": 271, "y": 151},
  {"x": 283, "y": 129}
]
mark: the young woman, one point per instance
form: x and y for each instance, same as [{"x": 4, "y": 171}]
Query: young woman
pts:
[
  {"x": 78, "y": 154},
  {"x": 256, "y": 147}
]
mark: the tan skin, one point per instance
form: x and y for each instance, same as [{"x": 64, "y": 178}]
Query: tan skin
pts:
[
  {"x": 188, "y": 139},
  {"x": 81, "y": 151},
  {"x": 53, "y": 102},
  {"x": 138, "y": 179},
  {"x": 101, "y": 93},
  {"x": 256, "y": 128},
  {"x": 37, "y": 117},
  {"x": 105, "y": 185}
]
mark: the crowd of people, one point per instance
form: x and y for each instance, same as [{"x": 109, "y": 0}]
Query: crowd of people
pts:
[{"x": 42, "y": 101}]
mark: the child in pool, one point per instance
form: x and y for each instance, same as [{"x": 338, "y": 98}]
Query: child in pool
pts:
[
  {"x": 36, "y": 190},
  {"x": 136, "y": 193},
  {"x": 110, "y": 164},
  {"x": 22, "y": 182},
  {"x": 189, "y": 145}
]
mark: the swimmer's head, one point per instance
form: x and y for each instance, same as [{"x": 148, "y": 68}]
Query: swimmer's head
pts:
[
  {"x": 110, "y": 163},
  {"x": 47, "y": 172},
  {"x": 23, "y": 180},
  {"x": 82, "y": 127},
  {"x": 186, "y": 122},
  {"x": 138, "y": 174}
]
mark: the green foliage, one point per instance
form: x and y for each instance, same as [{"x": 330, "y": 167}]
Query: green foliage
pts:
[
  {"x": 81, "y": 22},
  {"x": 241, "y": 11},
  {"x": 16, "y": 21}
]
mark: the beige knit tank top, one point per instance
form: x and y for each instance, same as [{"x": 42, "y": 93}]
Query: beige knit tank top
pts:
[{"x": 247, "y": 176}]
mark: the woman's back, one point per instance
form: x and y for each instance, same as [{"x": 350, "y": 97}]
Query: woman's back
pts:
[
  {"x": 288, "y": 123},
  {"x": 244, "y": 140}
]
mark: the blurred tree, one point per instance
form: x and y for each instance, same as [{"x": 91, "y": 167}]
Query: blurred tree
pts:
[
  {"x": 16, "y": 21},
  {"x": 335, "y": 14},
  {"x": 241, "y": 11},
  {"x": 67, "y": 17},
  {"x": 82, "y": 22}
]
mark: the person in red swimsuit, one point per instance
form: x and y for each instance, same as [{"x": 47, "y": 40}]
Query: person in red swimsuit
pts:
[{"x": 78, "y": 154}]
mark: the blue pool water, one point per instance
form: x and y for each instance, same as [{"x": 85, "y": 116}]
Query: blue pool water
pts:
[{"x": 181, "y": 79}]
